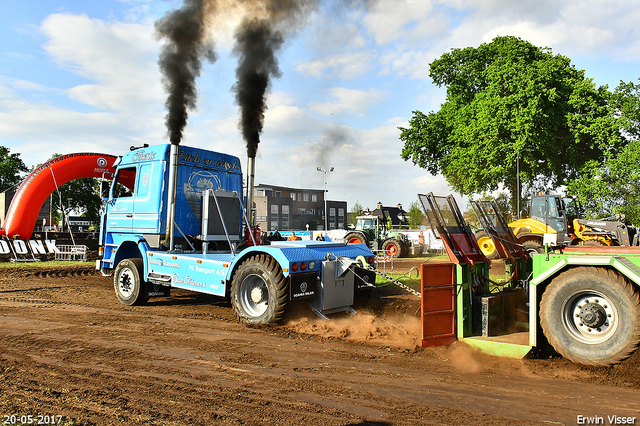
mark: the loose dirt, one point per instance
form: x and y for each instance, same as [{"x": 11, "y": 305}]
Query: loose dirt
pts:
[{"x": 70, "y": 349}]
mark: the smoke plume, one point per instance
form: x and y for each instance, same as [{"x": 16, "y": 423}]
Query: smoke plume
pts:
[
  {"x": 258, "y": 40},
  {"x": 334, "y": 140},
  {"x": 180, "y": 60},
  {"x": 256, "y": 47}
]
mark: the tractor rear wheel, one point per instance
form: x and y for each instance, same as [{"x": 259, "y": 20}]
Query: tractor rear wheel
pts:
[
  {"x": 591, "y": 316},
  {"x": 259, "y": 291},
  {"x": 355, "y": 238},
  {"x": 392, "y": 248},
  {"x": 533, "y": 246},
  {"x": 487, "y": 247},
  {"x": 128, "y": 283}
]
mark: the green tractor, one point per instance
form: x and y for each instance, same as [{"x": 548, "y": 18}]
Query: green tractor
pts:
[{"x": 377, "y": 235}]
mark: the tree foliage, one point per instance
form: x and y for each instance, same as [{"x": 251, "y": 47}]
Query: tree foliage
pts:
[
  {"x": 356, "y": 210},
  {"x": 12, "y": 170},
  {"x": 416, "y": 216},
  {"x": 508, "y": 97},
  {"x": 613, "y": 185}
]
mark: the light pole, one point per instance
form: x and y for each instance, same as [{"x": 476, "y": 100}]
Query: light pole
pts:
[
  {"x": 518, "y": 181},
  {"x": 326, "y": 213},
  {"x": 518, "y": 185}
]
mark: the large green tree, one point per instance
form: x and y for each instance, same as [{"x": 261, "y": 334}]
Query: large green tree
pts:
[
  {"x": 505, "y": 99},
  {"x": 612, "y": 186},
  {"x": 12, "y": 170}
]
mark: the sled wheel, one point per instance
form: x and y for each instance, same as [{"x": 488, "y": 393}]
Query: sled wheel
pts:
[{"x": 487, "y": 247}]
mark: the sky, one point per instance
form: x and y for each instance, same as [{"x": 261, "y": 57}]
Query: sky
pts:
[{"x": 82, "y": 76}]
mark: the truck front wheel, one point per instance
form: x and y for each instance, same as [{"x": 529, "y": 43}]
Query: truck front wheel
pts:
[
  {"x": 259, "y": 291},
  {"x": 591, "y": 316},
  {"x": 128, "y": 282}
]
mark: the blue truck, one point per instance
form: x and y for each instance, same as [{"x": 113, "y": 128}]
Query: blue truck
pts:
[{"x": 174, "y": 218}]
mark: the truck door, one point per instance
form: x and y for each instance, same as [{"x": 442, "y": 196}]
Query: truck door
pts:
[
  {"x": 148, "y": 202},
  {"x": 120, "y": 204}
]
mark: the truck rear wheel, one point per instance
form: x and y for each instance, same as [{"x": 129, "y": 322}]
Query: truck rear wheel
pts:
[
  {"x": 259, "y": 291},
  {"x": 591, "y": 316},
  {"x": 355, "y": 238},
  {"x": 128, "y": 282},
  {"x": 487, "y": 247}
]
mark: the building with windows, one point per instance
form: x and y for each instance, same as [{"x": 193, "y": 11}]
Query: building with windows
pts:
[{"x": 283, "y": 208}]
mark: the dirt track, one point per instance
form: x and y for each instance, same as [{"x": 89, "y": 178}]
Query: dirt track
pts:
[{"x": 70, "y": 349}]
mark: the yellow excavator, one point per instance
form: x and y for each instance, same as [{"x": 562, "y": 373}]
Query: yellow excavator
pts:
[{"x": 553, "y": 214}]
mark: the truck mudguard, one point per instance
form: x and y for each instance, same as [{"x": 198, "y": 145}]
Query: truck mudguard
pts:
[
  {"x": 287, "y": 252},
  {"x": 46, "y": 178}
]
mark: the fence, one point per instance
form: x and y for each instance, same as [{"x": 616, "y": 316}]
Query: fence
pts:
[{"x": 78, "y": 253}]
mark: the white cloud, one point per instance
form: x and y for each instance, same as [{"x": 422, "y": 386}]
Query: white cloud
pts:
[
  {"x": 569, "y": 28},
  {"x": 349, "y": 100},
  {"x": 388, "y": 20},
  {"x": 367, "y": 165},
  {"x": 118, "y": 58},
  {"x": 330, "y": 35},
  {"x": 118, "y": 61},
  {"x": 345, "y": 66}
]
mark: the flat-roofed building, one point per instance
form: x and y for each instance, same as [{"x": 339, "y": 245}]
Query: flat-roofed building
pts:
[{"x": 283, "y": 208}]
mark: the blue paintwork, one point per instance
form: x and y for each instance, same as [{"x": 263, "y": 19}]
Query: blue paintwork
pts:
[{"x": 197, "y": 272}]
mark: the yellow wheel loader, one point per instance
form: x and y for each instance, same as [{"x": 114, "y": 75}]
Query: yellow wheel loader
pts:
[{"x": 553, "y": 214}]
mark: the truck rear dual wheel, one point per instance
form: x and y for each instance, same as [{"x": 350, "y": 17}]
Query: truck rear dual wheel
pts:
[
  {"x": 128, "y": 282},
  {"x": 591, "y": 316},
  {"x": 259, "y": 291}
]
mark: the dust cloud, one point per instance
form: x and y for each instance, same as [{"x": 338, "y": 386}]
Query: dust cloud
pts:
[{"x": 401, "y": 331}]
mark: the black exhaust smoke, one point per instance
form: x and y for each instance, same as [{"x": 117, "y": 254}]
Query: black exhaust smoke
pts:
[
  {"x": 256, "y": 47},
  {"x": 258, "y": 39},
  {"x": 180, "y": 60}
]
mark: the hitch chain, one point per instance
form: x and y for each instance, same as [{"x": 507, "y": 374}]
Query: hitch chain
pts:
[{"x": 394, "y": 281}]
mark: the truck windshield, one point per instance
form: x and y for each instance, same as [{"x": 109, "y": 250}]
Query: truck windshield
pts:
[{"x": 363, "y": 223}]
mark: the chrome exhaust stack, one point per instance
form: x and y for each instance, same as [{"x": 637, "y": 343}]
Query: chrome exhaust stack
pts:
[
  {"x": 171, "y": 196},
  {"x": 251, "y": 171}
]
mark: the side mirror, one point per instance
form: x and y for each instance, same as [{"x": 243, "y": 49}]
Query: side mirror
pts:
[{"x": 105, "y": 186}]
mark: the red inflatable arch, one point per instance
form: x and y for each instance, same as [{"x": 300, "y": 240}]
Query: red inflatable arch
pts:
[{"x": 26, "y": 204}]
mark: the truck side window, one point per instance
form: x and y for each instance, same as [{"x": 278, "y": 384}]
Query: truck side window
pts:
[{"x": 124, "y": 182}]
